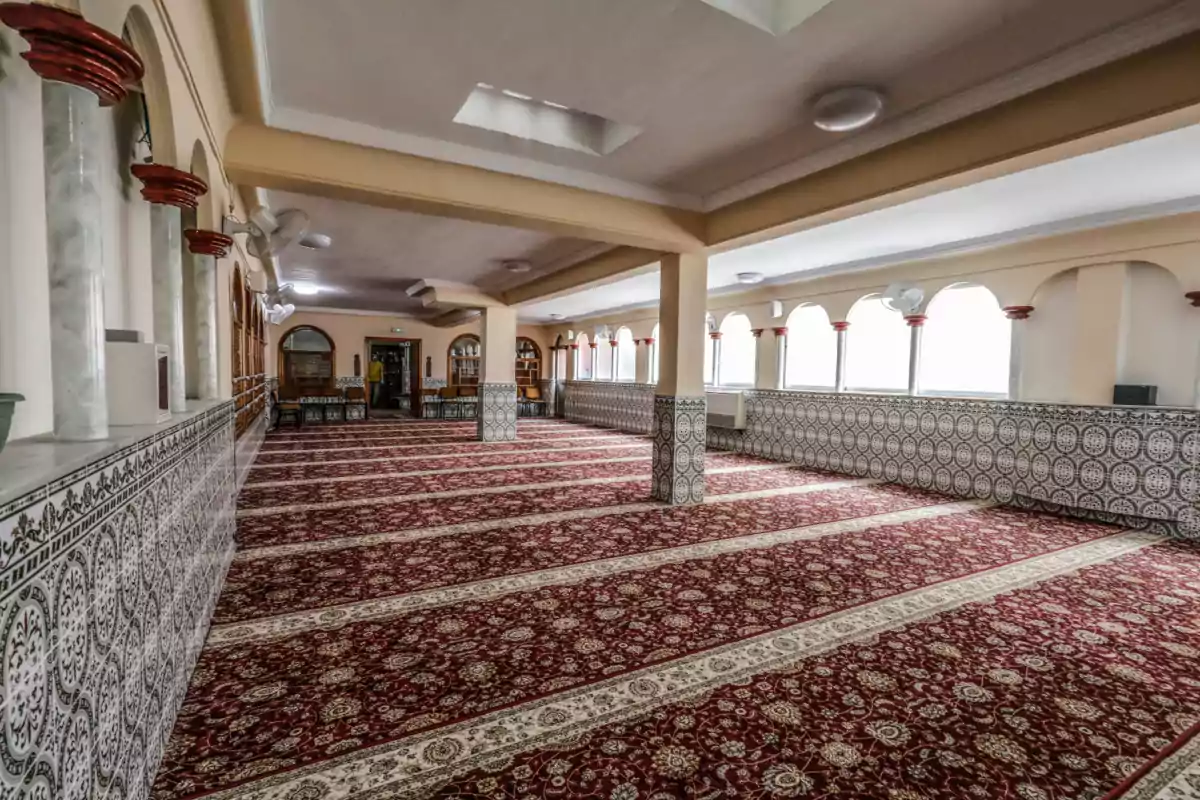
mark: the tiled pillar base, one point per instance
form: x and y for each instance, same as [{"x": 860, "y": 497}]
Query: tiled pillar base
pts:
[
  {"x": 679, "y": 433},
  {"x": 497, "y": 412}
]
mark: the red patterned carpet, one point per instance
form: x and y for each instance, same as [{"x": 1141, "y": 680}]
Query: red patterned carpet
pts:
[{"x": 413, "y": 614}]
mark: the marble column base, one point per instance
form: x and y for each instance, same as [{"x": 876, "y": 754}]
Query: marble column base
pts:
[
  {"x": 679, "y": 438},
  {"x": 497, "y": 412}
]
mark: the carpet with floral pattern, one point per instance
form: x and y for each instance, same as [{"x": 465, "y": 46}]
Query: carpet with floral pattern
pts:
[{"x": 413, "y": 614}]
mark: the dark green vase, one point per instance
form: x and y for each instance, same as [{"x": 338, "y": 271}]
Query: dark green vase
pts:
[{"x": 7, "y": 403}]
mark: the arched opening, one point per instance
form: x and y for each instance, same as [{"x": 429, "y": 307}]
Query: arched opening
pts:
[
  {"x": 626, "y": 355},
  {"x": 584, "y": 371},
  {"x": 738, "y": 351},
  {"x": 602, "y": 366},
  {"x": 529, "y": 362},
  {"x": 811, "y": 361},
  {"x": 139, "y": 32},
  {"x": 462, "y": 361},
  {"x": 877, "y": 347},
  {"x": 966, "y": 343},
  {"x": 306, "y": 359}
]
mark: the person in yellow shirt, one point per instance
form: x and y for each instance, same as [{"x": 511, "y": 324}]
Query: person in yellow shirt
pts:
[{"x": 375, "y": 378}]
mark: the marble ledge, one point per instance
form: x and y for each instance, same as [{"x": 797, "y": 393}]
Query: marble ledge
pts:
[{"x": 27, "y": 464}]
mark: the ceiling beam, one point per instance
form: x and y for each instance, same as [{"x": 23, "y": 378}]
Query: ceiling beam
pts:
[
  {"x": 598, "y": 269},
  {"x": 295, "y": 162},
  {"x": 235, "y": 42},
  {"x": 1007, "y": 138}
]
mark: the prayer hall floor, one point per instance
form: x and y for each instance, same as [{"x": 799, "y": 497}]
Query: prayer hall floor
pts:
[{"x": 412, "y": 613}]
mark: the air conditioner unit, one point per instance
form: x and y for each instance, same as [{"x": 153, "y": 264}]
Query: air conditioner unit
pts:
[{"x": 726, "y": 409}]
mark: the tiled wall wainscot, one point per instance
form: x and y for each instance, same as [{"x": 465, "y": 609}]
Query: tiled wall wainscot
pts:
[
  {"x": 248, "y": 443},
  {"x": 627, "y": 407},
  {"x": 108, "y": 578},
  {"x": 1136, "y": 466}
]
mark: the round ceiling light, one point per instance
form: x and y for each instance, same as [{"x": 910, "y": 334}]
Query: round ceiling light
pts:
[
  {"x": 316, "y": 241},
  {"x": 518, "y": 266},
  {"x": 305, "y": 288},
  {"x": 847, "y": 109},
  {"x": 750, "y": 277},
  {"x": 556, "y": 316}
]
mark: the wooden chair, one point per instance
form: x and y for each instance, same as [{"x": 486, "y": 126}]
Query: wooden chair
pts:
[
  {"x": 531, "y": 399},
  {"x": 289, "y": 407}
]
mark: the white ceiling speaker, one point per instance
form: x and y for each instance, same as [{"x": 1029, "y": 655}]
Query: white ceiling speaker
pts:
[
  {"x": 518, "y": 266},
  {"x": 903, "y": 297},
  {"x": 749, "y": 277},
  {"x": 279, "y": 312},
  {"x": 847, "y": 109},
  {"x": 269, "y": 234},
  {"x": 316, "y": 241}
]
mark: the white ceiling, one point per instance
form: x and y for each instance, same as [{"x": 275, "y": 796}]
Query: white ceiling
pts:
[
  {"x": 1149, "y": 177},
  {"x": 378, "y": 253},
  {"x": 719, "y": 100}
]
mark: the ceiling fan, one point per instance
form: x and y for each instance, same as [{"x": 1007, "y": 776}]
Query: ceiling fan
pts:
[{"x": 269, "y": 234}]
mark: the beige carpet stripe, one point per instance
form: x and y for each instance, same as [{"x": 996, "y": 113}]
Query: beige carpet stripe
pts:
[
  {"x": 333, "y": 433},
  {"x": 1175, "y": 777},
  {"x": 407, "y": 766},
  {"x": 481, "y": 526},
  {"x": 363, "y": 502},
  {"x": 610, "y": 435},
  {"x": 379, "y": 476},
  {"x": 551, "y": 450},
  {"x": 394, "y": 436},
  {"x": 285, "y": 625}
]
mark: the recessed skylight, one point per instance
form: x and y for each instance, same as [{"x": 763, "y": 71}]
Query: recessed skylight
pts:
[{"x": 517, "y": 114}]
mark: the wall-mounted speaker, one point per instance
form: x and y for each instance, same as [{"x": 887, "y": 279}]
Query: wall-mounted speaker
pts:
[{"x": 1130, "y": 395}]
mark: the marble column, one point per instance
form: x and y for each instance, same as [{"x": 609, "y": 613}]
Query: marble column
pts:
[
  {"x": 839, "y": 381},
  {"x": 84, "y": 67},
  {"x": 169, "y": 190},
  {"x": 781, "y": 346},
  {"x": 593, "y": 346},
  {"x": 916, "y": 325},
  {"x": 497, "y": 418},
  {"x": 1016, "y": 348},
  {"x": 715, "y": 337},
  {"x": 680, "y": 429},
  {"x": 612, "y": 360},
  {"x": 642, "y": 364},
  {"x": 572, "y": 362},
  {"x": 206, "y": 248}
]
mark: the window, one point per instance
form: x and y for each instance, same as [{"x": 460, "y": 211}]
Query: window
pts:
[
  {"x": 626, "y": 355},
  {"x": 877, "y": 346},
  {"x": 811, "y": 350},
  {"x": 602, "y": 368},
  {"x": 965, "y": 347},
  {"x": 654, "y": 355},
  {"x": 584, "y": 371},
  {"x": 739, "y": 352}
]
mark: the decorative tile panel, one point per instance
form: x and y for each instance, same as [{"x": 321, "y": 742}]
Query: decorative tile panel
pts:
[
  {"x": 497, "y": 420},
  {"x": 627, "y": 407},
  {"x": 108, "y": 578},
  {"x": 433, "y": 383},
  {"x": 1137, "y": 466},
  {"x": 351, "y": 381},
  {"x": 679, "y": 442}
]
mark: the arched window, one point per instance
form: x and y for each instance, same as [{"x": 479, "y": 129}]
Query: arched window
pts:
[
  {"x": 306, "y": 359},
  {"x": 584, "y": 371},
  {"x": 462, "y": 361},
  {"x": 529, "y": 362},
  {"x": 626, "y": 355},
  {"x": 811, "y": 350},
  {"x": 709, "y": 327},
  {"x": 965, "y": 346},
  {"x": 738, "y": 351},
  {"x": 603, "y": 363},
  {"x": 876, "y": 347},
  {"x": 654, "y": 348}
]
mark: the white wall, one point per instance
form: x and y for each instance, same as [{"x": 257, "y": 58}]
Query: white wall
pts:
[
  {"x": 1163, "y": 338},
  {"x": 24, "y": 283},
  {"x": 1050, "y": 341}
]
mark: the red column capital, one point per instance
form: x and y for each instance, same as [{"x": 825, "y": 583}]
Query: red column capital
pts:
[
  {"x": 915, "y": 320},
  {"x": 210, "y": 243},
  {"x": 612, "y": 342},
  {"x": 714, "y": 335},
  {"x": 756, "y": 332},
  {"x": 779, "y": 331},
  {"x": 840, "y": 326},
  {"x": 1018, "y": 312},
  {"x": 169, "y": 186},
  {"x": 1193, "y": 298},
  {"x": 593, "y": 345},
  {"x": 574, "y": 347},
  {"x": 648, "y": 341},
  {"x": 66, "y": 48}
]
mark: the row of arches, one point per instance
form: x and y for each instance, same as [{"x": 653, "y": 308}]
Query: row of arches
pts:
[{"x": 965, "y": 348}]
